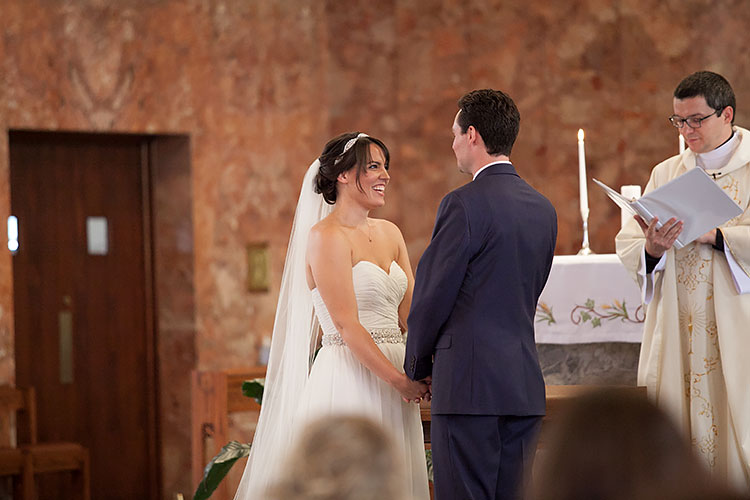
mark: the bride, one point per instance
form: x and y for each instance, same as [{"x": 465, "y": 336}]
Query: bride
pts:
[{"x": 349, "y": 276}]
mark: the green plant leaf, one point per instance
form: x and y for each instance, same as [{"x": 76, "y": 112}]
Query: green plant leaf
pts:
[
  {"x": 218, "y": 467},
  {"x": 254, "y": 389},
  {"x": 430, "y": 474},
  {"x": 624, "y": 309}
]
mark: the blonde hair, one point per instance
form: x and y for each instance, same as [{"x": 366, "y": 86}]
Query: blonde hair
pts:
[{"x": 342, "y": 458}]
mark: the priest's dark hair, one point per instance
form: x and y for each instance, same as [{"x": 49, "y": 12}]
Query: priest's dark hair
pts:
[{"x": 712, "y": 86}]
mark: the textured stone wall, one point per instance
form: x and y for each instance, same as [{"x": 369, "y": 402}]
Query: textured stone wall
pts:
[
  {"x": 258, "y": 86},
  {"x": 244, "y": 81}
]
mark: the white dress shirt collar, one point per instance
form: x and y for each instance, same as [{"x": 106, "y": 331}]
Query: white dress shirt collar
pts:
[{"x": 490, "y": 164}]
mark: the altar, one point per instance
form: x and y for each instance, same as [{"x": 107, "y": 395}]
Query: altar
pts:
[{"x": 589, "y": 299}]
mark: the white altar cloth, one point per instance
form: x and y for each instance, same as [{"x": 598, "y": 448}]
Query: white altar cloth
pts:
[{"x": 589, "y": 298}]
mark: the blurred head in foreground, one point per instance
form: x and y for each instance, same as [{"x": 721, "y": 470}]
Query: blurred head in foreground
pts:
[
  {"x": 612, "y": 444},
  {"x": 342, "y": 458}
]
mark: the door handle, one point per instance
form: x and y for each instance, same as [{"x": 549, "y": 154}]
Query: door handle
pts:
[{"x": 65, "y": 327}]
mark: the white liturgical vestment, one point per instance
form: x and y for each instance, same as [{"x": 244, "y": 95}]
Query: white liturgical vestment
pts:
[{"x": 695, "y": 356}]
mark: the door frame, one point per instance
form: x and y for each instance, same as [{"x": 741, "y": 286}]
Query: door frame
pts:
[{"x": 166, "y": 178}]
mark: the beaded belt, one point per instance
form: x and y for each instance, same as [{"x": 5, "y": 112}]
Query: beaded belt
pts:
[{"x": 379, "y": 335}]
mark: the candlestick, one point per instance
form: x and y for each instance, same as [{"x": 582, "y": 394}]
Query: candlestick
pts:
[
  {"x": 630, "y": 192},
  {"x": 584, "y": 196},
  {"x": 682, "y": 143}
]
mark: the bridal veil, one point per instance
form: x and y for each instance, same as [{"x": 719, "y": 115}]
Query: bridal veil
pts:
[{"x": 292, "y": 345}]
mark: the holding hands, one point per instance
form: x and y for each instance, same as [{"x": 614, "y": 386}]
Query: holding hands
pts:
[{"x": 413, "y": 390}]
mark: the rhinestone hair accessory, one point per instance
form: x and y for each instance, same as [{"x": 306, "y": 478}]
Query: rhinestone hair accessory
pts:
[{"x": 349, "y": 145}]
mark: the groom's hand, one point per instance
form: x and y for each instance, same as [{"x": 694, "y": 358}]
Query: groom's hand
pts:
[
  {"x": 412, "y": 391},
  {"x": 428, "y": 395}
]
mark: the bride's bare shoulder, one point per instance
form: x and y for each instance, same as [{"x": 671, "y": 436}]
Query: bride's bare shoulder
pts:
[
  {"x": 326, "y": 226},
  {"x": 327, "y": 232},
  {"x": 388, "y": 228}
]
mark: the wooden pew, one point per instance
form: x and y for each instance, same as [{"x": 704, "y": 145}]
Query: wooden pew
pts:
[
  {"x": 557, "y": 397},
  {"x": 217, "y": 394},
  {"x": 214, "y": 396}
]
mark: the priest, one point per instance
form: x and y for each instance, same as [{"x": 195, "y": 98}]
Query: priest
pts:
[{"x": 695, "y": 356}]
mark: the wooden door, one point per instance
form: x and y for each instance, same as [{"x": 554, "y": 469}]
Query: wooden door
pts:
[{"x": 84, "y": 332}]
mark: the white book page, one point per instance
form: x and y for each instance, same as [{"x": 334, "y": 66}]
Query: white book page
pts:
[
  {"x": 619, "y": 199},
  {"x": 693, "y": 197}
]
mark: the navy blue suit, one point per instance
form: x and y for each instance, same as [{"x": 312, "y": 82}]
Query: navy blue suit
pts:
[{"x": 471, "y": 327}]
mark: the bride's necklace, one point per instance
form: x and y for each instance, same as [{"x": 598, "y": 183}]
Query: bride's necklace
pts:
[
  {"x": 359, "y": 228},
  {"x": 369, "y": 232}
]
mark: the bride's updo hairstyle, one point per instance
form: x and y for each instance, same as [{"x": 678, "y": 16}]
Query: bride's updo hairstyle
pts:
[{"x": 335, "y": 160}]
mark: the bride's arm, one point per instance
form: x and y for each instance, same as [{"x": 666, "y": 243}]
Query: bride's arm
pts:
[{"x": 329, "y": 258}]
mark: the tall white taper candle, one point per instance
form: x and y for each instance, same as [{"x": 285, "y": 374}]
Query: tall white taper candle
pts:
[
  {"x": 682, "y": 143},
  {"x": 584, "y": 196}
]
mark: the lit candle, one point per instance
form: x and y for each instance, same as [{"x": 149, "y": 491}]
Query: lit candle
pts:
[
  {"x": 682, "y": 143},
  {"x": 582, "y": 177}
]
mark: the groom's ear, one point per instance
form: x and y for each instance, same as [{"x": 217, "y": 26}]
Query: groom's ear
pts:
[{"x": 472, "y": 134}]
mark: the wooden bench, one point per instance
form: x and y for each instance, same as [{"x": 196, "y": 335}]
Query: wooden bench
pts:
[
  {"x": 214, "y": 396},
  {"x": 557, "y": 397},
  {"x": 217, "y": 394}
]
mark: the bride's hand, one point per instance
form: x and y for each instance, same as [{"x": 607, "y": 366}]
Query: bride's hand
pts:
[
  {"x": 428, "y": 381},
  {"x": 411, "y": 390}
]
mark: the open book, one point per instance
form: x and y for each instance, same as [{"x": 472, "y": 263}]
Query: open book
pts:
[{"x": 692, "y": 198}]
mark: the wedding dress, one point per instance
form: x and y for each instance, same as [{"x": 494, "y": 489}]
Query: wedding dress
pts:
[{"x": 340, "y": 384}]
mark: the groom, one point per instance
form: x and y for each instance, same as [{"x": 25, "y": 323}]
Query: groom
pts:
[{"x": 471, "y": 324}]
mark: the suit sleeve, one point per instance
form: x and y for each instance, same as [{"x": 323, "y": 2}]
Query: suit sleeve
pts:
[{"x": 439, "y": 277}]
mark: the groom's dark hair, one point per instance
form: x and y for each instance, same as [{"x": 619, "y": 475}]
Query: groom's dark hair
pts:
[{"x": 494, "y": 115}]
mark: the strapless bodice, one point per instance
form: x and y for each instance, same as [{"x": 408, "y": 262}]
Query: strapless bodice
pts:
[{"x": 378, "y": 295}]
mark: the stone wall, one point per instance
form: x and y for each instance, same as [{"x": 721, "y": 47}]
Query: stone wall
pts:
[{"x": 259, "y": 86}]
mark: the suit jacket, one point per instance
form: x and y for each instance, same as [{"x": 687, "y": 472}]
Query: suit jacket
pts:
[{"x": 475, "y": 296}]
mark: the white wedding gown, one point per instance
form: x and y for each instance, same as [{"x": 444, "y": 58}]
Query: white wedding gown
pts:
[{"x": 340, "y": 384}]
